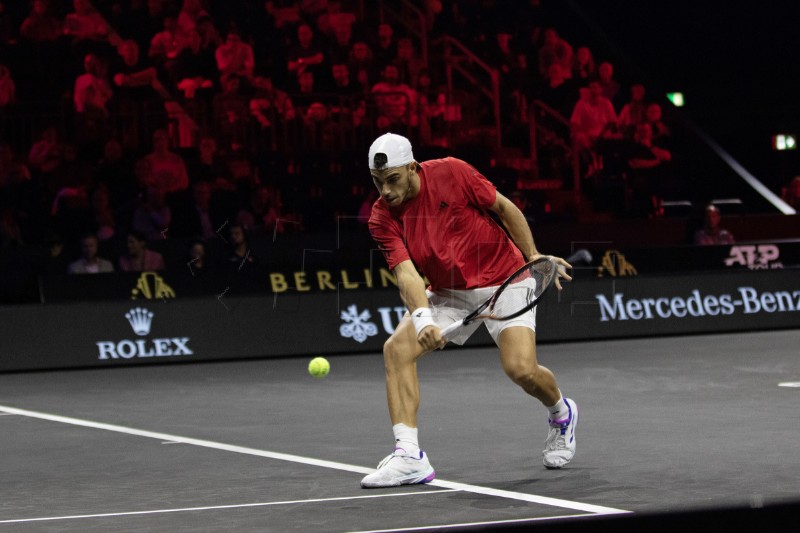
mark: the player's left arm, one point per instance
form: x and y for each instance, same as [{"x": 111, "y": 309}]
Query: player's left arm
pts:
[{"x": 520, "y": 232}]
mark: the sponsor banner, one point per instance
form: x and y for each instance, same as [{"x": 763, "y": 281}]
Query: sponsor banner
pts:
[
  {"x": 342, "y": 272},
  {"x": 225, "y": 326},
  {"x": 751, "y": 256}
]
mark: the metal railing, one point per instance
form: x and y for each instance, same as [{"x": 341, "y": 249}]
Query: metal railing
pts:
[
  {"x": 406, "y": 12},
  {"x": 460, "y": 59},
  {"x": 548, "y": 126}
]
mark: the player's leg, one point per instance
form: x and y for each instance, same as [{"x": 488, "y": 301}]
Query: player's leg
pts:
[
  {"x": 400, "y": 353},
  {"x": 518, "y": 357},
  {"x": 407, "y": 464}
]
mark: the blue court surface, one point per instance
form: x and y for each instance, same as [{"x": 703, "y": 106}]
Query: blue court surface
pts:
[{"x": 696, "y": 432}]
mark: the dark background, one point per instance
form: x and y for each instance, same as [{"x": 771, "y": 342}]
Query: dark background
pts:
[{"x": 735, "y": 61}]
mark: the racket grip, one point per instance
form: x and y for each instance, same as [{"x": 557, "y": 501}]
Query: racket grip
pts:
[{"x": 449, "y": 331}]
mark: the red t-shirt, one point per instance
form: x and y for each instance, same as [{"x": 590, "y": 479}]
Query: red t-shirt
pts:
[{"x": 446, "y": 229}]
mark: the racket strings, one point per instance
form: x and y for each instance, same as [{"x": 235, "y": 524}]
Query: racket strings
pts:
[{"x": 523, "y": 290}]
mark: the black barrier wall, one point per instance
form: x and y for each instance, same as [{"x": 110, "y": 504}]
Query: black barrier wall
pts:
[{"x": 220, "y": 327}]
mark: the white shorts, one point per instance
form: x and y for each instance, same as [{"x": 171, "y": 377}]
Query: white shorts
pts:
[{"x": 450, "y": 305}]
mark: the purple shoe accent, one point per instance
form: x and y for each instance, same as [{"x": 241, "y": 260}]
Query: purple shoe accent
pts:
[{"x": 429, "y": 478}]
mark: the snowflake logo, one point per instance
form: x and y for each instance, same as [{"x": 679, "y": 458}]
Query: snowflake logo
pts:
[{"x": 357, "y": 324}]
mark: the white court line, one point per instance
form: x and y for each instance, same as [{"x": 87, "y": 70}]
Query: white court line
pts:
[
  {"x": 217, "y": 507},
  {"x": 476, "y": 489},
  {"x": 473, "y": 524},
  {"x": 790, "y": 384}
]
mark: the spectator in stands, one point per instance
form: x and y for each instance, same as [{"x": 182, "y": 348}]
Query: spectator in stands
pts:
[
  {"x": 593, "y": 117},
  {"x": 139, "y": 258},
  {"x": 432, "y": 110},
  {"x": 583, "y": 67},
  {"x": 385, "y": 47},
  {"x": 231, "y": 111},
  {"x": 168, "y": 170},
  {"x": 56, "y": 262},
  {"x": 240, "y": 255},
  {"x": 261, "y": 215},
  {"x": 45, "y": 155},
  {"x": 342, "y": 84},
  {"x": 234, "y": 57},
  {"x": 85, "y": 24},
  {"x": 197, "y": 258},
  {"x": 647, "y": 175},
  {"x": 554, "y": 49},
  {"x": 558, "y": 92},
  {"x": 362, "y": 65},
  {"x": 306, "y": 54},
  {"x": 306, "y": 90},
  {"x": 191, "y": 12},
  {"x": 632, "y": 112},
  {"x": 197, "y": 218},
  {"x": 41, "y": 25},
  {"x": 712, "y": 232},
  {"x": 519, "y": 84},
  {"x": 661, "y": 131},
  {"x": 269, "y": 103},
  {"x": 153, "y": 217},
  {"x": 90, "y": 262},
  {"x": 606, "y": 77},
  {"x": 12, "y": 171},
  {"x": 409, "y": 62},
  {"x": 8, "y": 89},
  {"x": 341, "y": 37},
  {"x": 500, "y": 55},
  {"x": 333, "y": 19},
  {"x": 92, "y": 90},
  {"x": 135, "y": 78},
  {"x": 10, "y": 232},
  {"x": 208, "y": 165},
  {"x": 205, "y": 50},
  {"x": 73, "y": 177},
  {"x": 394, "y": 101},
  {"x": 103, "y": 214},
  {"x": 169, "y": 47}
]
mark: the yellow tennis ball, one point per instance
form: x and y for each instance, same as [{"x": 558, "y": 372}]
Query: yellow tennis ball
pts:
[{"x": 319, "y": 367}]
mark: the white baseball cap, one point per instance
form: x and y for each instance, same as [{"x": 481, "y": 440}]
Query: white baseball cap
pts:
[{"x": 396, "y": 148}]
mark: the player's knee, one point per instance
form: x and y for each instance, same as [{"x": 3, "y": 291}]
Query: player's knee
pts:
[
  {"x": 395, "y": 352},
  {"x": 523, "y": 373}
]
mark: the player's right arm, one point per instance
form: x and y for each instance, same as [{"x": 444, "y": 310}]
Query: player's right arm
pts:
[{"x": 412, "y": 292}]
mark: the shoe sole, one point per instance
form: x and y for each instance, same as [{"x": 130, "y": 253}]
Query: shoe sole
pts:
[
  {"x": 412, "y": 479},
  {"x": 574, "y": 408}
]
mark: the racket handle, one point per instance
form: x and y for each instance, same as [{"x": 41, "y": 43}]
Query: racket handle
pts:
[{"x": 448, "y": 332}]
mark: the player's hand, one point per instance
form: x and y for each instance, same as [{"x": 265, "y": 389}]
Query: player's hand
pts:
[
  {"x": 562, "y": 268},
  {"x": 431, "y": 338}
]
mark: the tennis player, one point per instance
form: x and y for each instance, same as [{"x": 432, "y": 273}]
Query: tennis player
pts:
[{"x": 434, "y": 216}]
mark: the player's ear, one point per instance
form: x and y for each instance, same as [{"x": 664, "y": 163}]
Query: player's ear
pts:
[{"x": 412, "y": 166}]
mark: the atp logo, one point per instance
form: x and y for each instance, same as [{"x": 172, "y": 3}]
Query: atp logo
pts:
[
  {"x": 755, "y": 257},
  {"x": 357, "y": 325}
]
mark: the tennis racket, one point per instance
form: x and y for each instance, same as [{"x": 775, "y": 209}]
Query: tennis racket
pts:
[{"x": 518, "y": 294}]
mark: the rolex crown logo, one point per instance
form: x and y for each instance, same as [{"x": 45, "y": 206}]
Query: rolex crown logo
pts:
[{"x": 140, "y": 320}]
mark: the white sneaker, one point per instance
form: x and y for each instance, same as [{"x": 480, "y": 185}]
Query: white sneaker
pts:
[
  {"x": 400, "y": 468},
  {"x": 559, "y": 449}
]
